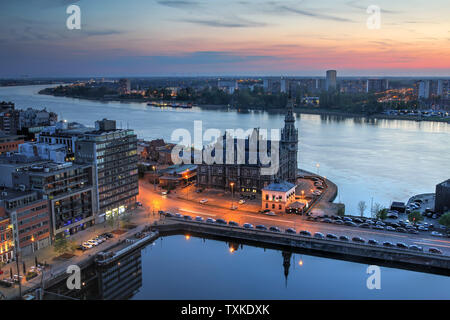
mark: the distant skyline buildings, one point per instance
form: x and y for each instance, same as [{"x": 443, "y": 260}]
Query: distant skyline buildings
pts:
[{"x": 204, "y": 38}]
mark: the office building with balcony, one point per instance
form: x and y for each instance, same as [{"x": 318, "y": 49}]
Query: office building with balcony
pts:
[{"x": 67, "y": 187}]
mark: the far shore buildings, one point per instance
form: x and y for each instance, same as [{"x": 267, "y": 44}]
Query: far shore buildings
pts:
[
  {"x": 247, "y": 177},
  {"x": 442, "y": 204}
]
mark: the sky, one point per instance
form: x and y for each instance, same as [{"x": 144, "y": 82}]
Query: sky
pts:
[{"x": 224, "y": 37}]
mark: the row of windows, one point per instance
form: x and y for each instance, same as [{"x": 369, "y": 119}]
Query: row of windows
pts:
[
  {"x": 36, "y": 226},
  {"x": 27, "y": 238}
]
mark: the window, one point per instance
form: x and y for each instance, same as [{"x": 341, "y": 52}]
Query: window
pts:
[
  {"x": 267, "y": 205},
  {"x": 273, "y": 206}
]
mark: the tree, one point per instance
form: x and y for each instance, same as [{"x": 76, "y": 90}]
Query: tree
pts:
[
  {"x": 72, "y": 246},
  {"x": 382, "y": 214},
  {"x": 362, "y": 207},
  {"x": 61, "y": 245},
  {"x": 376, "y": 208},
  {"x": 445, "y": 220},
  {"x": 415, "y": 217}
]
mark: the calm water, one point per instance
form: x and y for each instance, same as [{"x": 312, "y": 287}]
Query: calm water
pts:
[
  {"x": 176, "y": 268},
  {"x": 387, "y": 160}
]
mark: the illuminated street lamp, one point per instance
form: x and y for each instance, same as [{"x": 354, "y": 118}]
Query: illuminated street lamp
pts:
[
  {"x": 232, "y": 194},
  {"x": 317, "y": 166}
]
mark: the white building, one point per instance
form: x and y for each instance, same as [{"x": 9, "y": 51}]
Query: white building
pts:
[{"x": 276, "y": 196}]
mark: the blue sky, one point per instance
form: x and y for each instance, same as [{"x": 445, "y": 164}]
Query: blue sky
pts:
[{"x": 217, "y": 37}]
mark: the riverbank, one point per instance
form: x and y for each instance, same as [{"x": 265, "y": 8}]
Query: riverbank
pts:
[{"x": 300, "y": 110}]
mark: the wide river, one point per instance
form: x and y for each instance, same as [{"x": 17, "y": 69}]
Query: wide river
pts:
[{"x": 377, "y": 160}]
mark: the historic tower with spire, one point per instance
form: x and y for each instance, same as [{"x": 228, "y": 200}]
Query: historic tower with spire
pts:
[{"x": 289, "y": 144}]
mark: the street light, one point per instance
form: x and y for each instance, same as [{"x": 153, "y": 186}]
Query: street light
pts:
[
  {"x": 232, "y": 194},
  {"x": 317, "y": 166}
]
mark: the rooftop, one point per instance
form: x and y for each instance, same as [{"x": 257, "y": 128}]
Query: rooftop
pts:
[{"x": 282, "y": 186}]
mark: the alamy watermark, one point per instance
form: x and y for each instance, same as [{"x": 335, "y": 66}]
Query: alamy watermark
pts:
[
  {"x": 238, "y": 147},
  {"x": 374, "y": 280},
  {"x": 374, "y": 20},
  {"x": 74, "y": 280},
  {"x": 74, "y": 20}
]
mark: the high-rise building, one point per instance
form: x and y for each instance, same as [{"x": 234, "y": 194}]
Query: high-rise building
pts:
[
  {"x": 442, "y": 204},
  {"x": 424, "y": 89},
  {"x": 113, "y": 153},
  {"x": 124, "y": 86},
  {"x": 377, "y": 85},
  {"x": 331, "y": 80}
]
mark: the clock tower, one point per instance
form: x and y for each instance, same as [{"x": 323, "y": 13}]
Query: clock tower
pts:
[{"x": 289, "y": 145}]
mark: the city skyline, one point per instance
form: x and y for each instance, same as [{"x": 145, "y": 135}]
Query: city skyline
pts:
[{"x": 194, "y": 38}]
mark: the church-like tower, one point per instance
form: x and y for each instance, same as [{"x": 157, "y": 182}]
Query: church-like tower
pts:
[{"x": 289, "y": 142}]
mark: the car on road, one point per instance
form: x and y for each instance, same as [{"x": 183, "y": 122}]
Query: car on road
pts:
[
  {"x": 187, "y": 218},
  {"x": 422, "y": 228},
  {"x": 434, "y": 250},
  {"x": 198, "y": 219},
  {"x": 402, "y": 245},
  {"x": 332, "y": 236},
  {"x": 274, "y": 229},
  {"x": 319, "y": 235},
  {"x": 305, "y": 233},
  {"x": 415, "y": 248},
  {"x": 364, "y": 225},
  {"x": 178, "y": 215},
  {"x": 248, "y": 226},
  {"x": 400, "y": 229},
  {"x": 388, "y": 244},
  {"x": 339, "y": 222},
  {"x": 389, "y": 228},
  {"x": 210, "y": 220},
  {"x": 436, "y": 234},
  {"x": 93, "y": 242},
  {"x": 378, "y": 227},
  {"x": 261, "y": 227},
  {"x": 221, "y": 221},
  {"x": 413, "y": 231},
  {"x": 358, "y": 239},
  {"x": 344, "y": 238},
  {"x": 350, "y": 224},
  {"x": 203, "y": 201},
  {"x": 290, "y": 230},
  {"x": 327, "y": 220},
  {"x": 168, "y": 214},
  {"x": 233, "y": 223},
  {"x": 372, "y": 242}
]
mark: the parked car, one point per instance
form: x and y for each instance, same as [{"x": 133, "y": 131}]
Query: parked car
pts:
[
  {"x": 274, "y": 229},
  {"x": 178, "y": 215},
  {"x": 187, "y": 218},
  {"x": 350, "y": 224},
  {"x": 139, "y": 204},
  {"x": 364, "y": 225},
  {"x": 388, "y": 244},
  {"x": 347, "y": 219},
  {"x": 168, "y": 214},
  {"x": 413, "y": 231},
  {"x": 339, "y": 222},
  {"x": 358, "y": 239},
  {"x": 87, "y": 245},
  {"x": 210, "y": 220},
  {"x": 402, "y": 230},
  {"x": 203, "y": 201},
  {"x": 248, "y": 226},
  {"x": 290, "y": 230},
  {"x": 327, "y": 220},
  {"x": 422, "y": 228},
  {"x": 198, "y": 219},
  {"x": 378, "y": 227},
  {"x": 415, "y": 248},
  {"x": 93, "y": 242},
  {"x": 319, "y": 235},
  {"x": 372, "y": 242},
  {"x": 233, "y": 223},
  {"x": 344, "y": 238},
  {"x": 402, "y": 245},
  {"x": 332, "y": 236},
  {"x": 242, "y": 201},
  {"x": 389, "y": 228},
  {"x": 305, "y": 233},
  {"x": 221, "y": 221},
  {"x": 434, "y": 250},
  {"x": 261, "y": 227},
  {"x": 358, "y": 220}
]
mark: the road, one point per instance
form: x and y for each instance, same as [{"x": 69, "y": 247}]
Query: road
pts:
[{"x": 153, "y": 199}]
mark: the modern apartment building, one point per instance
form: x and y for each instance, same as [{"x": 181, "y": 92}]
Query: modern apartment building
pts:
[{"x": 113, "y": 154}]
